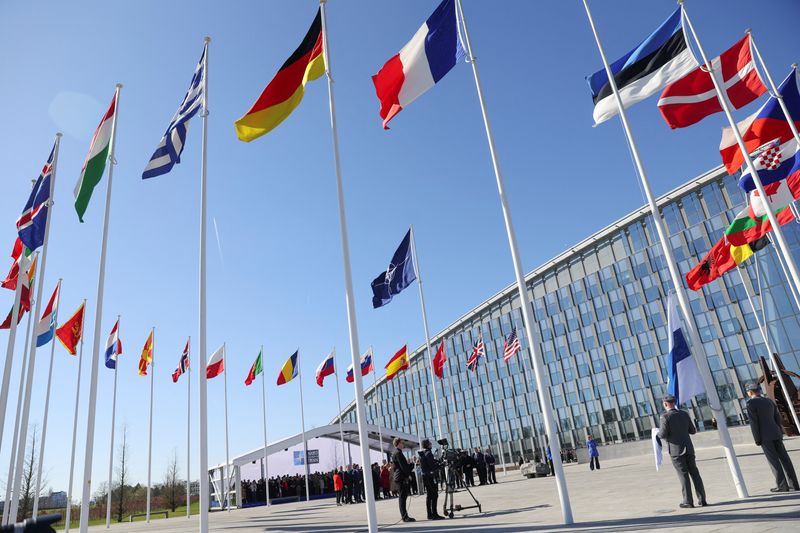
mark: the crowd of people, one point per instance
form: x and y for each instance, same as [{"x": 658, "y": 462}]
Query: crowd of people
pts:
[{"x": 319, "y": 484}]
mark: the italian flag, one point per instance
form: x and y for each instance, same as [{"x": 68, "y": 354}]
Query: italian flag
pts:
[
  {"x": 95, "y": 163},
  {"x": 255, "y": 370}
]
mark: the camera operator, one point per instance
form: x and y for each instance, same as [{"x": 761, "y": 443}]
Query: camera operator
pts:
[
  {"x": 402, "y": 475},
  {"x": 430, "y": 466}
]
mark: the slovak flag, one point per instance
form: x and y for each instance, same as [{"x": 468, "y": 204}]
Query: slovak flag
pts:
[
  {"x": 47, "y": 325},
  {"x": 113, "y": 347},
  {"x": 422, "y": 62},
  {"x": 326, "y": 368},
  {"x": 684, "y": 379},
  {"x": 366, "y": 367}
]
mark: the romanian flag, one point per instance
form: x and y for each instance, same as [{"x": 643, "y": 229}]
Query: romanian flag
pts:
[
  {"x": 289, "y": 370},
  {"x": 71, "y": 331},
  {"x": 397, "y": 363},
  {"x": 285, "y": 91},
  {"x": 147, "y": 355}
]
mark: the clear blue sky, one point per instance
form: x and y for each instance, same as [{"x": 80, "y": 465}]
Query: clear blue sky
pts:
[{"x": 278, "y": 281}]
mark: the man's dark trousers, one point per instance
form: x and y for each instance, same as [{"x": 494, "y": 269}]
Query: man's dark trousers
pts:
[
  {"x": 405, "y": 490},
  {"x": 686, "y": 467},
  {"x": 431, "y": 494},
  {"x": 779, "y": 462}
]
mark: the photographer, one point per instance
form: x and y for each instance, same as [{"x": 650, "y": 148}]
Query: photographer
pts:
[
  {"x": 430, "y": 466},
  {"x": 402, "y": 475}
]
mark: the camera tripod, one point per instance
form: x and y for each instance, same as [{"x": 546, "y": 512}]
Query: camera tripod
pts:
[{"x": 450, "y": 490}]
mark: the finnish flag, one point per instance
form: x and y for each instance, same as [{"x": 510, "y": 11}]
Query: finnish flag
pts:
[{"x": 684, "y": 378}]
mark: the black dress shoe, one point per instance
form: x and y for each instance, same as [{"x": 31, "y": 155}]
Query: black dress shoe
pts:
[
  {"x": 702, "y": 503},
  {"x": 686, "y": 506},
  {"x": 780, "y": 489},
  {"x": 408, "y": 519}
]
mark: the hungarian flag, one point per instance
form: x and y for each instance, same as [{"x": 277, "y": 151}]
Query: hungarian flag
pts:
[
  {"x": 745, "y": 229},
  {"x": 216, "y": 363},
  {"x": 255, "y": 370},
  {"x": 183, "y": 364},
  {"x": 439, "y": 360},
  {"x": 693, "y": 97},
  {"x": 722, "y": 258},
  {"x": 147, "y": 355},
  {"x": 95, "y": 163},
  {"x": 285, "y": 92},
  {"x": 47, "y": 324},
  {"x": 71, "y": 331},
  {"x": 398, "y": 363}
]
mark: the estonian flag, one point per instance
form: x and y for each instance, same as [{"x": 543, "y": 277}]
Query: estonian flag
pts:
[
  {"x": 662, "y": 58},
  {"x": 684, "y": 378}
]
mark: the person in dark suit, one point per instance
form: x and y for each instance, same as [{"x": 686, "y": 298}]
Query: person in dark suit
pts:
[
  {"x": 765, "y": 423},
  {"x": 469, "y": 467},
  {"x": 480, "y": 463},
  {"x": 490, "y": 465},
  {"x": 675, "y": 428},
  {"x": 430, "y": 467},
  {"x": 402, "y": 476}
]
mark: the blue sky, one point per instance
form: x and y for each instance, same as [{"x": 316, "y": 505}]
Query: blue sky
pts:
[{"x": 278, "y": 278}]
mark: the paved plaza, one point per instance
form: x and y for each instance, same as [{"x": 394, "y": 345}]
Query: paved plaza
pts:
[{"x": 625, "y": 495}]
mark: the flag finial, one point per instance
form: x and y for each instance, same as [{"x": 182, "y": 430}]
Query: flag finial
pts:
[
  {"x": 119, "y": 86},
  {"x": 206, "y": 39}
]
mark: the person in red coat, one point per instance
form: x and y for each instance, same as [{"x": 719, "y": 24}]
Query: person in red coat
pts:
[
  {"x": 338, "y": 486},
  {"x": 386, "y": 480}
]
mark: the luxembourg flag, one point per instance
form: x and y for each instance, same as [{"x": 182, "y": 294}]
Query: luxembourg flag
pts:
[
  {"x": 47, "y": 325},
  {"x": 113, "y": 347},
  {"x": 422, "y": 62},
  {"x": 325, "y": 369},
  {"x": 366, "y": 367},
  {"x": 684, "y": 379}
]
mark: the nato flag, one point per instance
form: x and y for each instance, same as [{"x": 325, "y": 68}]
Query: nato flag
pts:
[{"x": 397, "y": 277}]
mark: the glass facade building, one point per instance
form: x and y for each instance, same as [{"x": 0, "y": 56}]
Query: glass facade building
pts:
[{"x": 601, "y": 328}]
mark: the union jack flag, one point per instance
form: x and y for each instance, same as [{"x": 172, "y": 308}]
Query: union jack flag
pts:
[
  {"x": 478, "y": 350},
  {"x": 33, "y": 220},
  {"x": 511, "y": 345},
  {"x": 183, "y": 364}
]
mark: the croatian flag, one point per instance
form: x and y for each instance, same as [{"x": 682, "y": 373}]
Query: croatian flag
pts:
[
  {"x": 47, "y": 325},
  {"x": 326, "y": 368},
  {"x": 684, "y": 378},
  {"x": 422, "y": 62},
  {"x": 366, "y": 367},
  {"x": 113, "y": 347}
]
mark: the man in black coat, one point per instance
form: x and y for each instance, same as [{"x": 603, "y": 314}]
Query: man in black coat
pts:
[
  {"x": 430, "y": 467},
  {"x": 480, "y": 463},
  {"x": 402, "y": 476},
  {"x": 675, "y": 428},
  {"x": 490, "y": 466},
  {"x": 765, "y": 423},
  {"x": 469, "y": 467}
]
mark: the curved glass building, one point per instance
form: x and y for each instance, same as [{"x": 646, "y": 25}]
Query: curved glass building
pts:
[{"x": 601, "y": 327}]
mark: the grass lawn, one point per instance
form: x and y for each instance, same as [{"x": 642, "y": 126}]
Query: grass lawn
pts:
[{"x": 180, "y": 512}]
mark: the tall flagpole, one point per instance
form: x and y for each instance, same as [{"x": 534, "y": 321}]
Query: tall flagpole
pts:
[
  {"x": 227, "y": 482},
  {"x": 111, "y": 447},
  {"x": 201, "y": 350},
  {"x": 188, "y": 435},
  {"x": 355, "y": 353},
  {"x": 98, "y": 320},
  {"x": 427, "y": 333},
  {"x": 303, "y": 424},
  {"x": 12, "y": 337},
  {"x": 677, "y": 281},
  {"x": 150, "y": 429},
  {"x": 494, "y": 403},
  {"x": 46, "y": 407},
  {"x": 74, "y": 429},
  {"x": 791, "y": 286},
  {"x": 542, "y": 384},
  {"x": 264, "y": 412},
  {"x": 339, "y": 399},
  {"x": 377, "y": 401}
]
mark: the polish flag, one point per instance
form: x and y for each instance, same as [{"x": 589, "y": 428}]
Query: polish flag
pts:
[{"x": 216, "y": 363}]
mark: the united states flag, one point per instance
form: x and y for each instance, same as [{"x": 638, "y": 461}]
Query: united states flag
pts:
[
  {"x": 168, "y": 151},
  {"x": 478, "y": 350},
  {"x": 511, "y": 345},
  {"x": 183, "y": 364}
]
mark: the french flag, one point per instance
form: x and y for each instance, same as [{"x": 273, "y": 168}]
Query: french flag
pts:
[
  {"x": 366, "y": 367},
  {"x": 113, "y": 347},
  {"x": 326, "y": 368},
  {"x": 684, "y": 379},
  {"x": 428, "y": 56}
]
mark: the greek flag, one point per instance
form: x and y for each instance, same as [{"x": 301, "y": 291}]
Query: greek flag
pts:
[{"x": 168, "y": 151}]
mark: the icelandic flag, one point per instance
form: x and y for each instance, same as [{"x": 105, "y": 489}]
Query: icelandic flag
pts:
[
  {"x": 366, "y": 367},
  {"x": 684, "y": 379},
  {"x": 47, "y": 325},
  {"x": 113, "y": 347},
  {"x": 33, "y": 220},
  {"x": 397, "y": 277},
  {"x": 326, "y": 368},
  {"x": 422, "y": 62}
]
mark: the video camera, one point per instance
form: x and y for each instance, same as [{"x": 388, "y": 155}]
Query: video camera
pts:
[
  {"x": 452, "y": 457},
  {"x": 40, "y": 524}
]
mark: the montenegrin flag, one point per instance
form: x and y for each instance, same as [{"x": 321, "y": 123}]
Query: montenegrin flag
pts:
[
  {"x": 70, "y": 332},
  {"x": 256, "y": 369},
  {"x": 95, "y": 163},
  {"x": 147, "y": 355},
  {"x": 289, "y": 370},
  {"x": 285, "y": 92},
  {"x": 398, "y": 363},
  {"x": 216, "y": 363}
]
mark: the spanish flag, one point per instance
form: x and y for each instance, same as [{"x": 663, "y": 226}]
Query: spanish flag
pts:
[
  {"x": 286, "y": 89},
  {"x": 147, "y": 355},
  {"x": 289, "y": 370},
  {"x": 397, "y": 363}
]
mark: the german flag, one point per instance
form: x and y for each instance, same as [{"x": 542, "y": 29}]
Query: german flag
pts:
[
  {"x": 286, "y": 89},
  {"x": 397, "y": 363}
]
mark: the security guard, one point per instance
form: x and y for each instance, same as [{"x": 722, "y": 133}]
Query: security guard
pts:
[{"x": 429, "y": 469}]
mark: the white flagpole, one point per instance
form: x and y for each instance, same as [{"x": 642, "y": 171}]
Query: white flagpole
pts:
[
  {"x": 339, "y": 399},
  {"x": 188, "y": 435},
  {"x": 150, "y": 429},
  {"x": 792, "y": 288},
  {"x": 227, "y": 469},
  {"x": 264, "y": 412},
  {"x": 8, "y": 516},
  {"x": 46, "y": 407},
  {"x": 542, "y": 384},
  {"x": 303, "y": 424},
  {"x": 201, "y": 350},
  {"x": 111, "y": 450},
  {"x": 74, "y": 429},
  {"x": 12, "y": 337},
  {"x": 677, "y": 281},
  {"x": 494, "y": 401},
  {"x": 774, "y": 88},
  {"x": 98, "y": 322},
  {"x": 355, "y": 353},
  {"x": 427, "y": 333},
  {"x": 377, "y": 402}
]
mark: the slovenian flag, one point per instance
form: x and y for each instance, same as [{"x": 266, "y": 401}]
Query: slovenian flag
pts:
[
  {"x": 47, "y": 325},
  {"x": 326, "y": 368},
  {"x": 366, "y": 367},
  {"x": 422, "y": 62},
  {"x": 684, "y": 380},
  {"x": 113, "y": 347}
]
